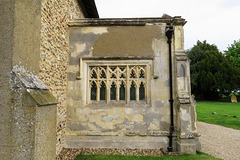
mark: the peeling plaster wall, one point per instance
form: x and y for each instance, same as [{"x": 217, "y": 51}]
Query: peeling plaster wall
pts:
[
  {"x": 118, "y": 125},
  {"x": 130, "y": 124}
]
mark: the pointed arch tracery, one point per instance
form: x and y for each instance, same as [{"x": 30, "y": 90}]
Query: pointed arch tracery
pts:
[{"x": 117, "y": 82}]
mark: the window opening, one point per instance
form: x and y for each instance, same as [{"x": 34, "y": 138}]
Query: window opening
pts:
[
  {"x": 122, "y": 76},
  {"x": 103, "y": 75},
  {"x": 103, "y": 91},
  {"x": 141, "y": 74},
  {"x": 113, "y": 68},
  {"x": 113, "y": 92},
  {"x": 122, "y": 68},
  {"x": 122, "y": 92},
  {"x": 141, "y": 92},
  {"x": 94, "y": 91},
  {"x": 113, "y": 76},
  {"x": 132, "y": 75},
  {"x": 132, "y": 91},
  {"x": 94, "y": 74},
  {"x": 116, "y": 83}
]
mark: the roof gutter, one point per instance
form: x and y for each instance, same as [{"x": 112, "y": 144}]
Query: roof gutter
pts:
[{"x": 169, "y": 32}]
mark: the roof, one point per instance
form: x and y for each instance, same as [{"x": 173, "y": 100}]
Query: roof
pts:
[{"x": 89, "y": 8}]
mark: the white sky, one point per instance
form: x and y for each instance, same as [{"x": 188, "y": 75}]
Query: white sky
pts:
[{"x": 217, "y": 21}]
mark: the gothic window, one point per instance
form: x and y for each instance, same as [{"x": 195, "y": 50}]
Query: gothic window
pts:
[{"x": 117, "y": 83}]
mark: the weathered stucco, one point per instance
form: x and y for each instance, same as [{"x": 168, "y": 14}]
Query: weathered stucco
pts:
[
  {"x": 128, "y": 124},
  {"x": 20, "y": 33},
  {"x": 128, "y": 40},
  {"x": 32, "y": 129}
]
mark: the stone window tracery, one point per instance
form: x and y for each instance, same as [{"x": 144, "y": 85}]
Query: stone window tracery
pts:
[{"x": 117, "y": 83}]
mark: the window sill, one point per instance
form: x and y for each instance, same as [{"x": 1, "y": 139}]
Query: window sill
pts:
[{"x": 111, "y": 104}]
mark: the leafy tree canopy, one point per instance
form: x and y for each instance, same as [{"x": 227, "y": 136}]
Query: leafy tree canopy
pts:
[
  {"x": 212, "y": 73},
  {"x": 233, "y": 52}
]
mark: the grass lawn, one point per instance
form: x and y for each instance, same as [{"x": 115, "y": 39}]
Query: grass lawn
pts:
[
  {"x": 205, "y": 109},
  {"x": 121, "y": 157}
]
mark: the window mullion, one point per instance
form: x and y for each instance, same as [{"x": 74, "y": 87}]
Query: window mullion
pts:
[
  {"x": 128, "y": 85},
  {"x": 98, "y": 91},
  {"x": 137, "y": 91},
  {"x": 117, "y": 92},
  {"x": 108, "y": 85},
  {"x": 126, "y": 80},
  {"x": 117, "y": 83}
]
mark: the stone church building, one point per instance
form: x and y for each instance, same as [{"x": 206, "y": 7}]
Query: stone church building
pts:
[{"x": 72, "y": 80}]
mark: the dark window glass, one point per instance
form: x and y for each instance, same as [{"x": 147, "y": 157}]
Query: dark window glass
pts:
[
  {"x": 122, "y": 92},
  {"x": 113, "y": 68},
  {"x": 103, "y": 91},
  {"x": 94, "y": 74},
  {"x": 122, "y": 76},
  {"x": 141, "y": 75},
  {"x": 122, "y": 68},
  {"x": 113, "y": 76},
  {"x": 142, "y": 92},
  {"x": 132, "y": 75},
  {"x": 94, "y": 91},
  {"x": 113, "y": 92},
  {"x": 103, "y": 75},
  {"x": 132, "y": 92}
]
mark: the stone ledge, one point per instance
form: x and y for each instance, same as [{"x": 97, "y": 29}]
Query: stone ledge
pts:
[
  {"x": 119, "y": 58},
  {"x": 177, "y": 20}
]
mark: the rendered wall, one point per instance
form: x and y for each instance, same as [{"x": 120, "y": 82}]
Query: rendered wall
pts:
[
  {"x": 45, "y": 132},
  {"x": 130, "y": 124},
  {"x": 6, "y": 47},
  {"x": 20, "y": 33},
  {"x": 117, "y": 125}
]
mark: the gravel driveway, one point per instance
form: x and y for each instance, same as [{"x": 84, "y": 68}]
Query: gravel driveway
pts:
[{"x": 221, "y": 142}]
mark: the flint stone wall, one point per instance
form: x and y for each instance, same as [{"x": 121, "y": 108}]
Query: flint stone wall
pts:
[{"x": 54, "y": 49}]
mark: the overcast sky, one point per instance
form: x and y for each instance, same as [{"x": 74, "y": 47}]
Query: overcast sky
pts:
[{"x": 217, "y": 21}]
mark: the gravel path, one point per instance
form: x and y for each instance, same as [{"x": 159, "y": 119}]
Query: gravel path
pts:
[{"x": 221, "y": 142}]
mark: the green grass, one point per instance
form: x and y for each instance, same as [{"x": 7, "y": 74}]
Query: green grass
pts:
[
  {"x": 205, "y": 109},
  {"x": 199, "y": 156}
]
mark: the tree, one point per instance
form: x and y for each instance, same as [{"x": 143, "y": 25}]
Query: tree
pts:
[
  {"x": 233, "y": 52},
  {"x": 218, "y": 76},
  {"x": 212, "y": 73},
  {"x": 196, "y": 55}
]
